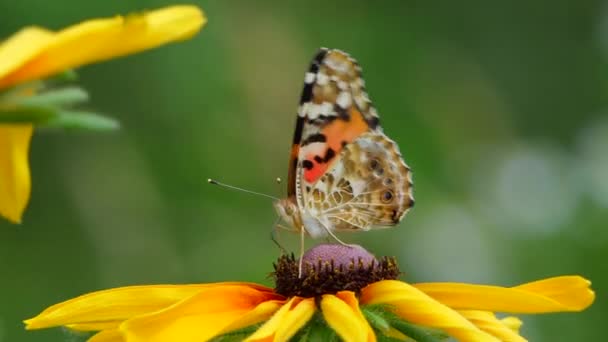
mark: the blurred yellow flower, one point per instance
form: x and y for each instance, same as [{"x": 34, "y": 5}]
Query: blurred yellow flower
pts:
[
  {"x": 196, "y": 313},
  {"x": 35, "y": 53}
]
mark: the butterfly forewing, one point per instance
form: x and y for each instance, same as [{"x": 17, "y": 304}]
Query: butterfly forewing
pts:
[
  {"x": 334, "y": 110},
  {"x": 345, "y": 174}
]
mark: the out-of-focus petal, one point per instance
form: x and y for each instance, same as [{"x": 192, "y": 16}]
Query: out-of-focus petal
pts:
[
  {"x": 14, "y": 170},
  {"x": 568, "y": 293},
  {"x": 342, "y": 314},
  {"x": 21, "y": 47},
  {"x": 416, "y": 307},
  {"x": 101, "y": 39}
]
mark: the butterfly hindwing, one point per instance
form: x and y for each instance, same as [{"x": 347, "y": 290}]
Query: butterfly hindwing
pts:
[{"x": 369, "y": 185}]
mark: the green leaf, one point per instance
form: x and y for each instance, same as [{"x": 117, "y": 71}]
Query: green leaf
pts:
[
  {"x": 316, "y": 330},
  {"x": 65, "y": 76},
  {"x": 26, "y": 114},
  {"x": 21, "y": 88},
  {"x": 418, "y": 333},
  {"x": 58, "y": 118},
  {"x": 81, "y": 120},
  {"x": 62, "y": 97},
  {"x": 42, "y": 104},
  {"x": 237, "y": 335},
  {"x": 382, "y": 317},
  {"x": 375, "y": 319},
  {"x": 380, "y": 337}
]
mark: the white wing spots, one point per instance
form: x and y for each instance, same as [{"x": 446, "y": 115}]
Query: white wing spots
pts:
[
  {"x": 309, "y": 78},
  {"x": 359, "y": 186},
  {"x": 322, "y": 79},
  {"x": 359, "y": 82},
  {"x": 313, "y": 110},
  {"x": 344, "y": 100},
  {"x": 302, "y": 109},
  {"x": 339, "y": 66},
  {"x": 373, "y": 112},
  {"x": 327, "y": 108},
  {"x": 362, "y": 100},
  {"x": 316, "y": 148}
]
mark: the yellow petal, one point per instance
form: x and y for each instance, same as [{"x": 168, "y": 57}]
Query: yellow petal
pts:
[
  {"x": 342, "y": 314},
  {"x": 488, "y": 322},
  {"x": 107, "y": 336},
  {"x": 261, "y": 313},
  {"x": 14, "y": 170},
  {"x": 416, "y": 307},
  {"x": 199, "y": 317},
  {"x": 101, "y": 39},
  {"x": 571, "y": 293},
  {"x": 266, "y": 331},
  {"x": 21, "y": 47},
  {"x": 295, "y": 320},
  {"x": 112, "y": 305},
  {"x": 95, "y": 326},
  {"x": 512, "y": 323},
  {"x": 286, "y": 322},
  {"x": 574, "y": 292}
]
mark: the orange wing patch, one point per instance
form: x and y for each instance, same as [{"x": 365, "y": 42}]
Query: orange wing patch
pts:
[{"x": 338, "y": 133}]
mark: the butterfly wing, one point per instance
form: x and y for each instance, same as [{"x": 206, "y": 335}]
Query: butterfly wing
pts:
[
  {"x": 337, "y": 135},
  {"x": 334, "y": 110},
  {"x": 368, "y": 186}
]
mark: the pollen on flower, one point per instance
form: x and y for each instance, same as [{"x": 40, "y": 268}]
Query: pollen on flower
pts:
[{"x": 330, "y": 268}]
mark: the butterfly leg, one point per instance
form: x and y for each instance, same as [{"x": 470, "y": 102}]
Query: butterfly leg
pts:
[
  {"x": 274, "y": 235},
  {"x": 336, "y": 238},
  {"x": 301, "y": 252}
]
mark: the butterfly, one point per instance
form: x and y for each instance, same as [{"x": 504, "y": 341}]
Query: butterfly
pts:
[{"x": 345, "y": 174}]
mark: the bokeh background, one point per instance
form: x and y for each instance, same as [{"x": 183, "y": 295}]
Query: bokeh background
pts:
[{"x": 499, "y": 108}]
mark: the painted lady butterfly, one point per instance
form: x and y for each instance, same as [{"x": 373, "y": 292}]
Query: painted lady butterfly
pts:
[{"x": 344, "y": 173}]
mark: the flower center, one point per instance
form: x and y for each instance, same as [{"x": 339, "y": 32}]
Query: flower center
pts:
[{"x": 330, "y": 268}]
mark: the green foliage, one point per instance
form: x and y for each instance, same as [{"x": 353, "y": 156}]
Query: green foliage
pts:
[
  {"x": 382, "y": 318},
  {"x": 316, "y": 330},
  {"x": 237, "y": 335},
  {"x": 50, "y": 104}
]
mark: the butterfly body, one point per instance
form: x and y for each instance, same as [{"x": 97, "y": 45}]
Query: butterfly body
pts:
[{"x": 345, "y": 174}]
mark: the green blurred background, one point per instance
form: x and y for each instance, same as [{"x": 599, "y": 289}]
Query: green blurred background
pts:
[{"x": 499, "y": 108}]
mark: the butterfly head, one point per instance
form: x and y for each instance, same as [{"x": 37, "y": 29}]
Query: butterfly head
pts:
[{"x": 287, "y": 209}]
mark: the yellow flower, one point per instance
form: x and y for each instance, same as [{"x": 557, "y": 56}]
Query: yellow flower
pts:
[
  {"x": 35, "y": 53},
  {"x": 184, "y": 313}
]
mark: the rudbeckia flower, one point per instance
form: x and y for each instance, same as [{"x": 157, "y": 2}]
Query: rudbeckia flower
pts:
[
  {"x": 344, "y": 292},
  {"x": 34, "y": 54}
]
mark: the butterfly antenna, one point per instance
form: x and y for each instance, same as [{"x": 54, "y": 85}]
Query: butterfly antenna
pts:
[{"x": 214, "y": 182}]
